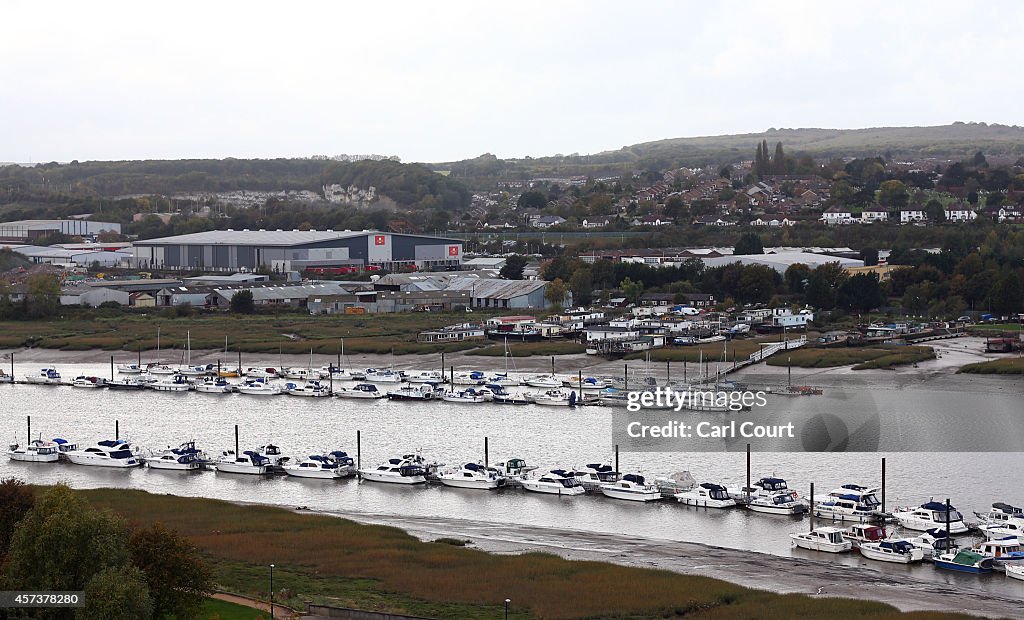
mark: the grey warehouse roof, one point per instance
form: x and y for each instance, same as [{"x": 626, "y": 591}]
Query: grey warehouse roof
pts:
[{"x": 263, "y": 237}]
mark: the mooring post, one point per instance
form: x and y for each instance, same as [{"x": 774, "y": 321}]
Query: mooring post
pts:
[
  {"x": 29, "y": 420},
  {"x": 668, "y": 373},
  {"x": 580, "y": 379},
  {"x": 237, "y": 455},
  {"x": 487, "y": 452},
  {"x": 12, "y": 367},
  {"x": 140, "y": 356},
  {"x": 883, "y": 484},
  {"x": 812, "y": 507},
  {"x": 949, "y": 539},
  {"x": 747, "y": 488},
  {"x": 359, "y": 454},
  {"x": 442, "y": 366},
  {"x": 552, "y": 365},
  {"x": 451, "y": 375},
  {"x": 239, "y": 362},
  {"x": 684, "y": 370},
  {"x": 111, "y": 367},
  {"x": 616, "y": 457},
  {"x": 117, "y": 430},
  {"x": 625, "y": 375},
  {"x": 789, "y": 371}
]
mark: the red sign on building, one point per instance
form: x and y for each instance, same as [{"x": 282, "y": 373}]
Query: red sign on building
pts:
[
  {"x": 379, "y": 240},
  {"x": 453, "y": 250}
]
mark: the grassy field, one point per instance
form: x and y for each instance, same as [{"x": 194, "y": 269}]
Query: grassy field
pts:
[
  {"x": 988, "y": 329},
  {"x": 1007, "y": 366},
  {"x": 863, "y": 358},
  {"x": 288, "y": 333},
  {"x": 335, "y": 561},
  {"x": 527, "y": 349},
  {"x": 223, "y": 610}
]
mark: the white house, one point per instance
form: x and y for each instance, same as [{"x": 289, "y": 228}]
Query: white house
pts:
[
  {"x": 960, "y": 213},
  {"x": 837, "y": 215},
  {"x": 607, "y": 332},
  {"x": 874, "y": 214},
  {"x": 910, "y": 215},
  {"x": 784, "y": 317}
]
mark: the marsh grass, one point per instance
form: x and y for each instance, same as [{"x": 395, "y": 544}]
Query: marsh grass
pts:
[
  {"x": 328, "y": 559},
  {"x": 528, "y": 349},
  {"x": 1006, "y": 366},
  {"x": 862, "y": 358}
]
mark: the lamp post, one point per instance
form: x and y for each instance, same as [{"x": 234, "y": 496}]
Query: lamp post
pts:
[
  {"x": 271, "y": 592},
  {"x": 507, "y": 601}
]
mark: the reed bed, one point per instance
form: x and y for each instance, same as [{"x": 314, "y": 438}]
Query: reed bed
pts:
[
  {"x": 1006, "y": 366},
  {"x": 383, "y": 568},
  {"x": 862, "y": 358},
  {"x": 528, "y": 349}
]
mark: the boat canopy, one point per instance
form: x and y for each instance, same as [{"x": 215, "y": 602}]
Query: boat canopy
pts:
[
  {"x": 1007, "y": 508},
  {"x": 560, "y": 472},
  {"x": 256, "y": 458},
  {"x": 711, "y": 486},
  {"x": 59, "y": 441},
  {"x": 938, "y": 506},
  {"x": 635, "y": 478},
  {"x": 515, "y": 463},
  {"x": 854, "y": 487},
  {"x": 936, "y": 532},
  {"x": 898, "y": 546},
  {"x": 473, "y": 467},
  {"x": 599, "y": 468},
  {"x": 109, "y": 443}
]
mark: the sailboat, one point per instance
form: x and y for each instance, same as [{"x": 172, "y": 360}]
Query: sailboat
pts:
[
  {"x": 188, "y": 369},
  {"x": 503, "y": 378}
]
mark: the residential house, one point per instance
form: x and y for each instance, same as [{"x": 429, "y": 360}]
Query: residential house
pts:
[
  {"x": 599, "y": 333},
  {"x": 912, "y": 214},
  {"x": 699, "y": 300},
  {"x": 837, "y": 215},
  {"x": 546, "y": 221},
  {"x": 874, "y": 214},
  {"x": 958, "y": 212}
]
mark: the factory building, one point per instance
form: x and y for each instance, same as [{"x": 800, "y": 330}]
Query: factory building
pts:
[
  {"x": 296, "y": 250},
  {"x": 28, "y": 230}
]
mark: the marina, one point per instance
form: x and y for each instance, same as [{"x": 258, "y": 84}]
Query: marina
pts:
[{"x": 546, "y": 437}]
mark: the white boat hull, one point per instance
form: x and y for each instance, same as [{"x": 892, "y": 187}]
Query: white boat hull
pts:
[
  {"x": 551, "y": 489},
  {"x": 214, "y": 389},
  {"x": 168, "y": 387},
  {"x": 309, "y": 393},
  {"x": 1015, "y": 572},
  {"x": 777, "y": 510},
  {"x": 32, "y": 457},
  {"x": 258, "y": 392},
  {"x": 360, "y": 395},
  {"x": 310, "y": 472},
  {"x": 632, "y": 496},
  {"x": 96, "y": 461},
  {"x": 825, "y": 547},
  {"x": 375, "y": 476},
  {"x": 955, "y": 527},
  {"x": 468, "y": 483},
  {"x": 872, "y": 553},
  {"x": 243, "y": 468},
  {"x": 172, "y": 465},
  {"x": 704, "y": 502}
]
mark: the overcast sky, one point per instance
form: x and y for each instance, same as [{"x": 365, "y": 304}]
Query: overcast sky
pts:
[{"x": 435, "y": 81}]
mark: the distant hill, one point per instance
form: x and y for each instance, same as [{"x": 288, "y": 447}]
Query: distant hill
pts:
[{"x": 956, "y": 141}]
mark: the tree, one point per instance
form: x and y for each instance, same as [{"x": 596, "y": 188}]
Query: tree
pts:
[
  {"x": 796, "y": 277},
  {"x": 632, "y": 290},
  {"x": 555, "y": 294},
  {"x": 532, "y": 199},
  {"x": 43, "y": 295},
  {"x": 725, "y": 172},
  {"x": 870, "y": 256},
  {"x": 860, "y": 292},
  {"x": 893, "y": 194},
  {"x": 1007, "y": 294},
  {"x": 582, "y": 286},
  {"x": 779, "y": 161},
  {"x": 749, "y": 243},
  {"x": 16, "y": 499},
  {"x": 242, "y": 302},
  {"x": 819, "y": 293},
  {"x": 756, "y": 283},
  {"x": 934, "y": 211},
  {"x": 177, "y": 579},
  {"x": 119, "y": 593},
  {"x": 513, "y": 267}
]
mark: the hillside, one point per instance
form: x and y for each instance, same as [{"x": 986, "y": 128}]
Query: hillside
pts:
[{"x": 956, "y": 141}]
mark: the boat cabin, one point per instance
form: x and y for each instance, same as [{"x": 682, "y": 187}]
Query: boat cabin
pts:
[
  {"x": 772, "y": 484},
  {"x": 936, "y": 512},
  {"x": 1000, "y": 548},
  {"x": 866, "y": 533},
  {"x": 713, "y": 491},
  {"x": 831, "y": 535}
]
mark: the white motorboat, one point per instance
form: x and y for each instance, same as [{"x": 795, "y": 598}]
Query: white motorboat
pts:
[
  {"x": 499, "y": 395},
  {"x": 930, "y": 515},
  {"x": 261, "y": 373},
  {"x": 555, "y": 482},
  {"x": 175, "y": 383},
  {"x": 301, "y": 374},
  {"x": 360, "y": 390},
  {"x": 160, "y": 369},
  {"x": 546, "y": 382},
  {"x": 425, "y": 376},
  {"x": 45, "y": 376},
  {"x": 334, "y": 372},
  {"x": 129, "y": 369},
  {"x": 213, "y": 385},
  {"x": 6, "y": 378},
  {"x": 631, "y": 487},
  {"x": 777, "y": 503},
  {"x": 383, "y": 376},
  {"x": 467, "y": 396},
  {"x": 310, "y": 389},
  {"x": 175, "y": 459},
  {"x": 128, "y": 383},
  {"x": 896, "y": 551},
  {"x": 827, "y": 539},
  {"x": 472, "y": 476},
  {"x": 932, "y": 543},
  {"x": 849, "y": 502},
  {"x": 1001, "y": 521},
  {"x": 88, "y": 382},
  {"x": 1014, "y": 571},
  {"x": 863, "y": 533},
  {"x": 64, "y": 446},
  {"x": 274, "y": 456},
  {"x": 319, "y": 466},
  {"x": 249, "y": 462},
  {"x": 421, "y": 391},
  {"x": 555, "y": 398},
  {"x": 107, "y": 453},
  {"x": 596, "y": 474},
  {"x": 196, "y": 371},
  {"x": 474, "y": 377},
  {"x": 258, "y": 387},
  {"x": 589, "y": 383},
  {"x": 36, "y": 451},
  {"x": 514, "y": 468},
  {"x": 706, "y": 495},
  {"x": 1003, "y": 552},
  {"x": 405, "y": 470}
]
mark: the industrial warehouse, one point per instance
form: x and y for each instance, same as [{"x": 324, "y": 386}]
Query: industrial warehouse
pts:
[{"x": 298, "y": 250}]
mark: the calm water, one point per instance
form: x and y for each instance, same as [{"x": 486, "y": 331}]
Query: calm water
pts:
[{"x": 544, "y": 436}]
